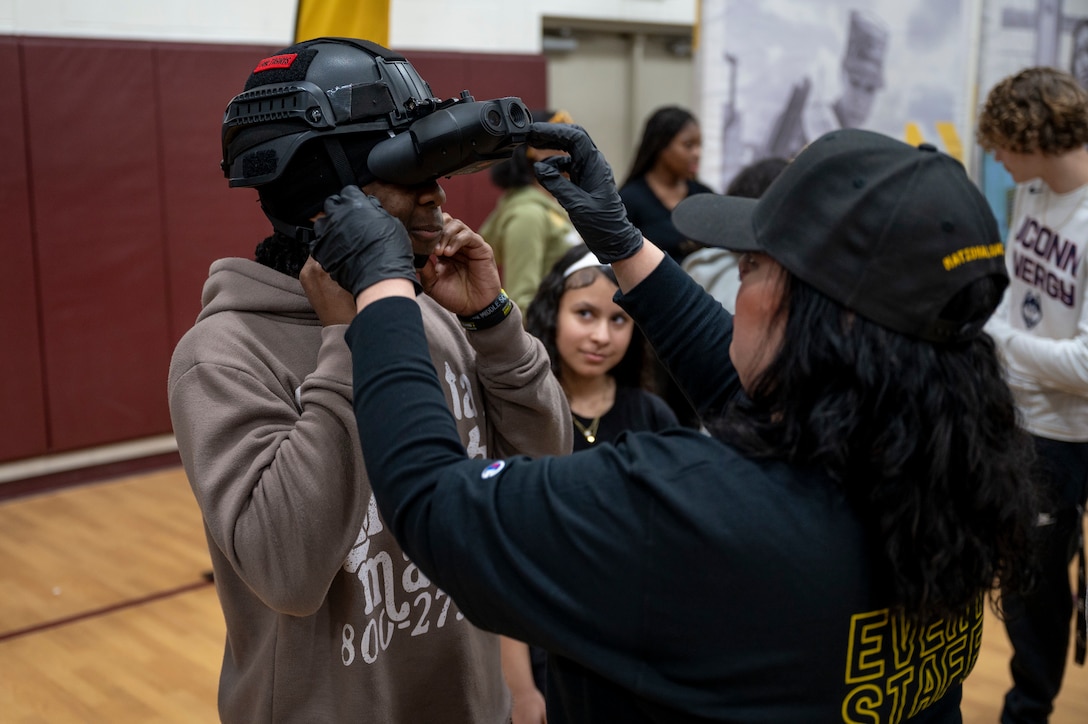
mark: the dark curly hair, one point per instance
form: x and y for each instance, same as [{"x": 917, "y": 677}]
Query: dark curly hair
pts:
[
  {"x": 923, "y": 438},
  {"x": 540, "y": 320},
  {"x": 752, "y": 180},
  {"x": 282, "y": 253},
  {"x": 1039, "y": 109}
]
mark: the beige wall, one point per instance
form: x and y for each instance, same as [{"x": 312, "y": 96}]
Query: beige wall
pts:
[{"x": 613, "y": 80}]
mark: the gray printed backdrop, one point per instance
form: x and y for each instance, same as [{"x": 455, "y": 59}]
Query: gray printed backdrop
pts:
[
  {"x": 941, "y": 59},
  {"x": 752, "y": 52}
]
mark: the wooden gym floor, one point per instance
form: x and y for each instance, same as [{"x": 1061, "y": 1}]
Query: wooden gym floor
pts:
[{"x": 106, "y": 616}]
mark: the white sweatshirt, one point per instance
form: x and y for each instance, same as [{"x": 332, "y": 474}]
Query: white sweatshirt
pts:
[{"x": 1041, "y": 326}]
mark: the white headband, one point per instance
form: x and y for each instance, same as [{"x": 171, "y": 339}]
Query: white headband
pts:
[{"x": 586, "y": 262}]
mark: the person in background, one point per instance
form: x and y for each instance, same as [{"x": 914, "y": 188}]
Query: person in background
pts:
[
  {"x": 826, "y": 554},
  {"x": 598, "y": 356},
  {"x": 597, "y": 352},
  {"x": 528, "y": 230},
  {"x": 1036, "y": 124},
  {"x": 662, "y": 175},
  {"x": 716, "y": 270},
  {"x": 327, "y": 619}
]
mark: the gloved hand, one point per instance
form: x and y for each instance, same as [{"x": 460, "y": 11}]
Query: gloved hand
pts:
[
  {"x": 589, "y": 195},
  {"x": 359, "y": 244}
]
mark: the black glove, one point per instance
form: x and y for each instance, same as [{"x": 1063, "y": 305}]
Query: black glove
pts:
[
  {"x": 359, "y": 244},
  {"x": 589, "y": 196}
]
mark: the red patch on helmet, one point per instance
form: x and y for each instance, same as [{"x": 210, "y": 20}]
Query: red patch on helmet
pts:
[{"x": 276, "y": 61}]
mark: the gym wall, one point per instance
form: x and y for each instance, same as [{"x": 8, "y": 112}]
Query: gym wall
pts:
[{"x": 115, "y": 206}]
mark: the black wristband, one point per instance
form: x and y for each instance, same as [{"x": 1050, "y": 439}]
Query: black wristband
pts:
[{"x": 490, "y": 315}]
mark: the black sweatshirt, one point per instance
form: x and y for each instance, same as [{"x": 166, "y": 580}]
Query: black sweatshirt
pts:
[{"x": 671, "y": 578}]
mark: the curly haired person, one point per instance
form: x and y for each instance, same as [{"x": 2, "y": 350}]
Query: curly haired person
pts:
[{"x": 1036, "y": 124}]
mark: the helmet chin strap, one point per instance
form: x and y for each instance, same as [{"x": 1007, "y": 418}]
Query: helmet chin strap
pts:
[
  {"x": 305, "y": 235},
  {"x": 340, "y": 161},
  {"x": 301, "y": 234}
]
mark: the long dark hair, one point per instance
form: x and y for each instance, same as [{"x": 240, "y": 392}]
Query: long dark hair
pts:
[
  {"x": 923, "y": 438},
  {"x": 541, "y": 319},
  {"x": 661, "y": 127}
]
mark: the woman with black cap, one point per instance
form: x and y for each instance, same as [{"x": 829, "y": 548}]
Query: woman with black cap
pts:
[{"x": 826, "y": 554}]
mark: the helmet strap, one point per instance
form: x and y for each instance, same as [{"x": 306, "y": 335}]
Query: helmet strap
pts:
[
  {"x": 302, "y": 234},
  {"x": 340, "y": 162}
]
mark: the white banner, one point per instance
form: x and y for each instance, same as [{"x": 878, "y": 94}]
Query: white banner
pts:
[{"x": 775, "y": 74}]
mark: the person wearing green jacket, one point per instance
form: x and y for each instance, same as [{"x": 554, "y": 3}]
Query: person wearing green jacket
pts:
[{"x": 528, "y": 229}]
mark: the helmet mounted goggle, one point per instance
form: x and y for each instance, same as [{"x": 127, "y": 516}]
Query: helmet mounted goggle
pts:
[{"x": 428, "y": 138}]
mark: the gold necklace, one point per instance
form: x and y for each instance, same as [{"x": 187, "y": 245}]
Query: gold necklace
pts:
[{"x": 590, "y": 432}]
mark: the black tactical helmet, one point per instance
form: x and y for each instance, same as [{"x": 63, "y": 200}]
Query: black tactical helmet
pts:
[
  {"x": 321, "y": 88},
  {"x": 330, "y": 112}
]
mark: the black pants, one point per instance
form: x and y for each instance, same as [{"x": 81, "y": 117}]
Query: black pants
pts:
[{"x": 1038, "y": 624}]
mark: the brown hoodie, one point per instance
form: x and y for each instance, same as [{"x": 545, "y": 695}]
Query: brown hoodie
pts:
[{"x": 326, "y": 618}]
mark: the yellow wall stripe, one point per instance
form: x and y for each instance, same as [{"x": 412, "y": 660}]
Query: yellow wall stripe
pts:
[
  {"x": 953, "y": 146},
  {"x": 366, "y": 19},
  {"x": 912, "y": 134},
  {"x": 950, "y": 137}
]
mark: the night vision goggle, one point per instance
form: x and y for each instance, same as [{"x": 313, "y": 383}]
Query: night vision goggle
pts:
[
  {"x": 459, "y": 138},
  {"x": 428, "y": 139}
]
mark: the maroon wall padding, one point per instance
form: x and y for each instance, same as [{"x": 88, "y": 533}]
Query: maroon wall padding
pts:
[
  {"x": 198, "y": 80},
  {"x": 97, "y": 203},
  {"x": 472, "y": 197},
  {"x": 115, "y": 205},
  {"x": 22, "y": 395},
  {"x": 205, "y": 218}
]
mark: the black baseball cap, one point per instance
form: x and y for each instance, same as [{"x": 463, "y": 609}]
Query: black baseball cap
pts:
[{"x": 888, "y": 230}]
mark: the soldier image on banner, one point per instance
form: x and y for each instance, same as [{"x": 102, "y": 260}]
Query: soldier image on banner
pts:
[{"x": 806, "y": 116}]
